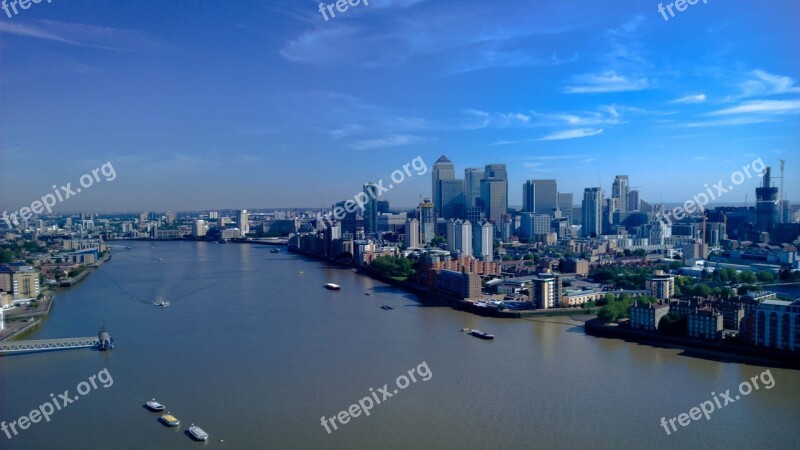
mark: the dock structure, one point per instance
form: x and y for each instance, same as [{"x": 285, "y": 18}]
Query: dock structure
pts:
[{"x": 103, "y": 341}]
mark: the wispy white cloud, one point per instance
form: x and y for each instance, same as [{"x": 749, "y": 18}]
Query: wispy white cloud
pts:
[
  {"x": 604, "y": 82},
  {"x": 32, "y": 32},
  {"x": 761, "y": 82},
  {"x": 395, "y": 140},
  {"x": 572, "y": 134},
  {"x": 761, "y": 107},
  {"x": 346, "y": 131},
  {"x": 696, "y": 98},
  {"x": 725, "y": 122},
  {"x": 106, "y": 38},
  {"x": 507, "y": 59}
]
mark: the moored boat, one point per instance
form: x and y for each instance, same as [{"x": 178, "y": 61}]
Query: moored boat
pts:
[
  {"x": 333, "y": 287},
  {"x": 169, "y": 420},
  {"x": 154, "y": 406},
  {"x": 481, "y": 334},
  {"x": 197, "y": 433}
]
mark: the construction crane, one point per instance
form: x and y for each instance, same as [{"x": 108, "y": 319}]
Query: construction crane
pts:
[{"x": 781, "y": 195}]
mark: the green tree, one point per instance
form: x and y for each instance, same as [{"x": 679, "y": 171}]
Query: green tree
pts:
[
  {"x": 438, "y": 240},
  {"x": 393, "y": 266},
  {"x": 7, "y": 256},
  {"x": 765, "y": 277},
  {"x": 747, "y": 276},
  {"x": 703, "y": 290}
]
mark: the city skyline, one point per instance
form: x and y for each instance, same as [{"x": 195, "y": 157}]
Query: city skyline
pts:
[{"x": 552, "y": 90}]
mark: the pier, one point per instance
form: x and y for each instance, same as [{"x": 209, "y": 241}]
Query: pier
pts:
[{"x": 103, "y": 341}]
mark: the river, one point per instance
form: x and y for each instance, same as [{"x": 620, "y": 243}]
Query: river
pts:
[{"x": 255, "y": 350}]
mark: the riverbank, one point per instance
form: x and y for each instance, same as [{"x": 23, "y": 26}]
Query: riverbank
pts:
[
  {"x": 704, "y": 349},
  {"x": 429, "y": 295},
  {"x": 23, "y": 318}
]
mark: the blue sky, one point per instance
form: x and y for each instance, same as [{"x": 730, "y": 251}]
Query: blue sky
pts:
[{"x": 204, "y": 105}]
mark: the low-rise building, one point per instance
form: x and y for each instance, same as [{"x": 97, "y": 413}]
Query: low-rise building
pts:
[
  {"x": 661, "y": 285},
  {"x": 732, "y": 314},
  {"x": 647, "y": 316},
  {"x": 777, "y": 325},
  {"x": 579, "y": 297},
  {"x": 705, "y": 323},
  {"x": 19, "y": 280},
  {"x": 546, "y": 290},
  {"x": 577, "y": 266},
  {"x": 460, "y": 284}
]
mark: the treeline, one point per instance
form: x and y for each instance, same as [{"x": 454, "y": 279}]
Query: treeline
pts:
[
  {"x": 393, "y": 266},
  {"x": 615, "y": 308},
  {"x": 14, "y": 252}
]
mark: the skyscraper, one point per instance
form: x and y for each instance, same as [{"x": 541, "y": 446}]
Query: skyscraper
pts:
[
  {"x": 452, "y": 192},
  {"x": 371, "y": 208},
  {"x": 633, "y": 200},
  {"x": 459, "y": 236},
  {"x": 483, "y": 240},
  {"x": 592, "y": 212},
  {"x": 244, "y": 223},
  {"x": 411, "y": 238},
  {"x": 565, "y": 205},
  {"x": 540, "y": 196},
  {"x": 494, "y": 191},
  {"x": 619, "y": 191},
  {"x": 443, "y": 169},
  {"x": 767, "y": 213},
  {"x": 427, "y": 221},
  {"x": 472, "y": 186},
  {"x": 533, "y": 224},
  {"x": 199, "y": 228}
]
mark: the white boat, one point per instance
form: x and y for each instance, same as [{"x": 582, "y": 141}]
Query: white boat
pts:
[
  {"x": 197, "y": 433},
  {"x": 154, "y": 406},
  {"x": 333, "y": 287},
  {"x": 161, "y": 303},
  {"x": 170, "y": 420}
]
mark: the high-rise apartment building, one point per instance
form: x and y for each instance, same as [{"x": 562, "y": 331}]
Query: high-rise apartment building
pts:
[
  {"x": 472, "y": 187},
  {"x": 767, "y": 213},
  {"x": 371, "y": 208},
  {"x": 427, "y": 221},
  {"x": 443, "y": 169},
  {"x": 411, "y": 237},
  {"x": 494, "y": 191},
  {"x": 452, "y": 194},
  {"x": 483, "y": 240},
  {"x": 620, "y": 191},
  {"x": 633, "y": 201},
  {"x": 199, "y": 228},
  {"x": 244, "y": 222},
  {"x": 540, "y": 196},
  {"x": 532, "y": 224},
  {"x": 459, "y": 236},
  {"x": 592, "y": 212}
]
